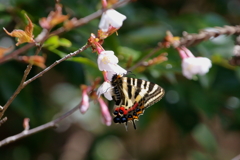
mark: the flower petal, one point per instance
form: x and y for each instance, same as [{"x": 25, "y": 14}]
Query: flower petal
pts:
[
  {"x": 205, "y": 63},
  {"x": 115, "y": 18},
  {"x": 103, "y": 25},
  {"x": 105, "y": 59},
  {"x": 106, "y": 89},
  {"x": 111, "y": 18},
  {"x": 192, "y": 66}
]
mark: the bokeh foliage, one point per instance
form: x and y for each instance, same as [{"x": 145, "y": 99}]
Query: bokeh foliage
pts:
[{"x": 196, "y": 120}]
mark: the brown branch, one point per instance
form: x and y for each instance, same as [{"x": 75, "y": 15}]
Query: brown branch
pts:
[
  {"x": 139, "y": 63},
  {"x": 48, "y": 125},
  {"x": 56, "y": 63},
  {"x": 203, "y": 35},
  {"x": 16, "y": 52},
  {"x": 20, "y": 86},
  {"x": 60, "y": 30},
  {"x": 24, "y": 83},
  {"x": 3, "y": 120},
  {"x": 193, "y": 39}
]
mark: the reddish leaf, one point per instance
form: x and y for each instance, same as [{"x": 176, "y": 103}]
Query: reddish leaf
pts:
[
  {"x": 35, "y": 60},
  {"x": 23, "y": 36},
  {"x": 54, "y": 18}
]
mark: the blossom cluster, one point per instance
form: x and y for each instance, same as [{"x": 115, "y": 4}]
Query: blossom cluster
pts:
[{"x": 110, "y": 22}]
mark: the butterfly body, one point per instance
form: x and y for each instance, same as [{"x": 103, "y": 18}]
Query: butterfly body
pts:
[{"x": 132, "y": 96}]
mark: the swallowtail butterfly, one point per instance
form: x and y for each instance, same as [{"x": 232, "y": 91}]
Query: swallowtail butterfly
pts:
[{"x": 132, "y": 96}]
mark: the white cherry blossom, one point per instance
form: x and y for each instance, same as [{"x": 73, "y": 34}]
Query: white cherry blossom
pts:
[
  {"x": 107, "y": 61},
  {"x": 111, "y": 18},
  {"x": 195, "y": 65},
  {"x": 106, "y": 89}
]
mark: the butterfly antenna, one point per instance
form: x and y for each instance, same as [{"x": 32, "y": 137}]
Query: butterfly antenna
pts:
[
  {"x": 130, "y": 73},
  {"x": 134, "y": 125}
]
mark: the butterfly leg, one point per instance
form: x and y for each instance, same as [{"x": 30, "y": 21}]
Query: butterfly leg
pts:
[
  {"x": 134, "y": 125},
  {"x": 126, "y": 126}
]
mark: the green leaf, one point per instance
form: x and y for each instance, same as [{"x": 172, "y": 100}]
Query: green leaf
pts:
[
  {"x": 65, "y": 42},
  {"x": 52, "y": 43}
]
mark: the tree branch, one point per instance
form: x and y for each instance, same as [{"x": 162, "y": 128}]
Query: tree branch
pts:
[
  {"x": 139, "y": 63},
  {"x": 20, "y": 87},
  {"x": 24, "y": 83},
  {"x": 203, "y": 35},
  {"x": 45, "y": 126},
  {"x": 193, "y": 39},
  {"x": 56, "y": 63}
]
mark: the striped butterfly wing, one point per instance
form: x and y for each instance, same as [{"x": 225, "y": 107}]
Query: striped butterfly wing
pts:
[{"x": 132, "y": 96}]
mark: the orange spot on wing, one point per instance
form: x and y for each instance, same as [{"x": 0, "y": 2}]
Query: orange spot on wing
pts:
[
  {"x": 135, "y": 117},
  {"x": 141, "y": 107},
  {"x": 139, "y": 112}
]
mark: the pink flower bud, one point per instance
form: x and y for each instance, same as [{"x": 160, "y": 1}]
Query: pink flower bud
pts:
[
  {"x": 107, "y": 119},
  {"x": 84, "y": 105}
]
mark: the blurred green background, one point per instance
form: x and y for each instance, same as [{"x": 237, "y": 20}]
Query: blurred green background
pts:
[{"x": 195, "y": 120}]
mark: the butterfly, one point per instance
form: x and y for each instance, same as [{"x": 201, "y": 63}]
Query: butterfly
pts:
[{"x": 132, "y": 96}]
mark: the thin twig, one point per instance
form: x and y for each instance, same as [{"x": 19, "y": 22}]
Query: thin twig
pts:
[
  {"x": 26, "y": 133},
  {"x": 139, "y": 63},
  {"x": 203, "y": 35},
  {"x": 20, "y": 86},
  {"x": 194, "y": 39},
  {"x": 24, "y": 83},
  {"x": 55, "y": 63},
  {"x": 60, "y": 30},
  {"x": 3, "y": 120}
]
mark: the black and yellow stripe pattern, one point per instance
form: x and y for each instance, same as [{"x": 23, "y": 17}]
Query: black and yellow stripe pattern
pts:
[{"x": 132, "y": 96}]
